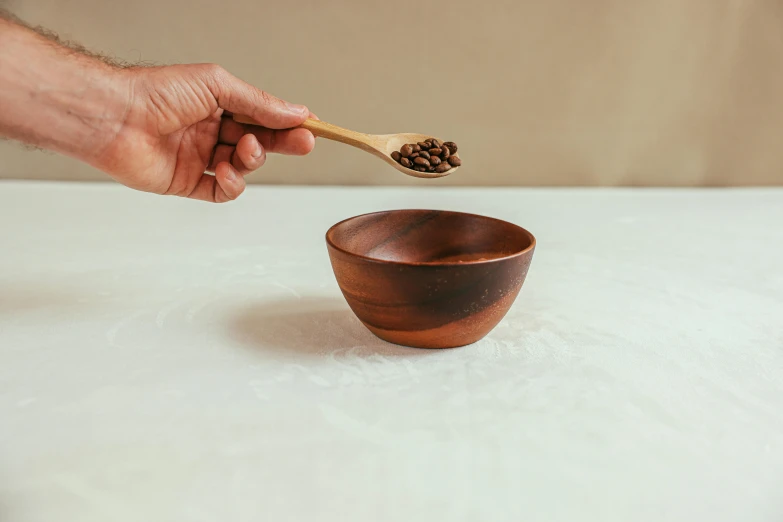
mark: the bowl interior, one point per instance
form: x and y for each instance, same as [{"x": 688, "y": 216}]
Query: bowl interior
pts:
[{"x": 428, "y": 237}]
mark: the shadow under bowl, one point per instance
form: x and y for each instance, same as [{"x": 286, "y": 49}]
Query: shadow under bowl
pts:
[{"x": 428, "y": 278}]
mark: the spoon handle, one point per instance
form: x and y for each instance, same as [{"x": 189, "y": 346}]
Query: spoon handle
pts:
[
  {"x": 326, "y": 130},
  {"x": 329, "y": 131}
]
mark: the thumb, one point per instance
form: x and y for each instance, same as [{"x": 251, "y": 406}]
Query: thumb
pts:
[{"x": 239, "y": 97}]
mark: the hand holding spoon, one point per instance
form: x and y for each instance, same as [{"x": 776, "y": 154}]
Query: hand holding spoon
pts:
[{"x": 380, "y": 145}]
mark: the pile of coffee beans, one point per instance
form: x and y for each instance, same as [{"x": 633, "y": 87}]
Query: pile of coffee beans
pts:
[{"x": 428, "y": 156}]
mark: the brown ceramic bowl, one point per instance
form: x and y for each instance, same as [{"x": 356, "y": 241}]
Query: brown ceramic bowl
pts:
[{"x": 427, "y": 278}]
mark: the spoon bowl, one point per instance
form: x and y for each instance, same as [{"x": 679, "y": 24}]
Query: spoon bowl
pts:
[
  {"x": 393, "y": 142},
  {"x": 379, "y": 145}
]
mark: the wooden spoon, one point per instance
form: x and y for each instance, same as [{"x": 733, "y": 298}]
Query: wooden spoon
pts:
[{"x": 380, "y": 145}]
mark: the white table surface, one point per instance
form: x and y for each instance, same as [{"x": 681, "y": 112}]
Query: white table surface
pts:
[{"x": 164, "y": 360}]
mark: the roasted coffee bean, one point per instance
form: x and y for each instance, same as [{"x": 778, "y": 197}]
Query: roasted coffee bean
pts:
[{"x": 428, "y": 155}]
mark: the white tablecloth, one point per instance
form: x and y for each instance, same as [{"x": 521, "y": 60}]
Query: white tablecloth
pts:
[{"x": 163, "y": 359}]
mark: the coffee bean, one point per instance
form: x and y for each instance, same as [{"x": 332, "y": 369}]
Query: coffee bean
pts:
[{"x": 428, "y": 155}]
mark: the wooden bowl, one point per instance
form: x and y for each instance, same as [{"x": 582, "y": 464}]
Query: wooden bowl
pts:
[{"x": 427, "y": 278}]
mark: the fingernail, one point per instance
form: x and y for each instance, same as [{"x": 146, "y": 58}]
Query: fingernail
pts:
[
  {"x": 231, "y": 176},
  {"x": 258, "y": 151},
  {"x": 297, "y": 109}
]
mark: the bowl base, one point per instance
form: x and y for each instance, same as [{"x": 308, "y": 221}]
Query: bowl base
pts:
[{"x": 427, "y": 339}]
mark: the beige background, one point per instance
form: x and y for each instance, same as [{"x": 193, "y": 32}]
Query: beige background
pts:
[{"x": 562, "y": 92}]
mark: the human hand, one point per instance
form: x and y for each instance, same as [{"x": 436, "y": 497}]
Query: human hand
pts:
[
  {"x": 177, "y": 130},
  {"x": 158, "y": 129}
]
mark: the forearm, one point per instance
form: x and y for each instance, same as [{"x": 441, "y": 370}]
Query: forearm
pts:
[{"x": 56, "y": 98}]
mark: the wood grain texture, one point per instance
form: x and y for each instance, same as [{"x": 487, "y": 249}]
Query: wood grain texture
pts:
[
  {"x": 379, "y": 145},
  {"x": 429, "y": 279}
]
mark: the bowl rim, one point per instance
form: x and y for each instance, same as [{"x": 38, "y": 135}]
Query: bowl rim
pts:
[{"x": 522, "y": 252}]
